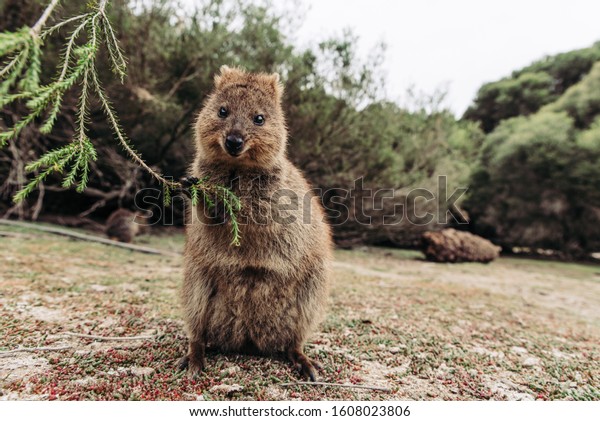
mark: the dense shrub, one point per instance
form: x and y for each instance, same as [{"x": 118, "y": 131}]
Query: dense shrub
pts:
[
  {"x": 537, "y": 185},
  {"x": 581, "y": 101}
]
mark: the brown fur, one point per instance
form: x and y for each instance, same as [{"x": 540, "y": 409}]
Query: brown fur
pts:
[
  {"x": 266, "y": 295},
  {"x": 122, "y": 225}
]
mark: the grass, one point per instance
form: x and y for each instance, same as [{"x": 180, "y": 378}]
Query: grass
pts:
[{"x": 513, "y": 329}]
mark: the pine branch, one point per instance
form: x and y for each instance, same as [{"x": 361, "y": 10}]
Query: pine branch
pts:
[
  {"x": 70, "y": 44},
  {"x": 86, "y": 237},
  {"x": 14, "y": 62},
  {"x": 112, "y": 117},
  {"x": 116, "y": 55},
  {"x": 23, "y": 51},
  {"x": 61, "y": 24}
]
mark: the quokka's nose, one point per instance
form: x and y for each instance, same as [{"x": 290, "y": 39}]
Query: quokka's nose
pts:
[{"x": 234, "y": 143}]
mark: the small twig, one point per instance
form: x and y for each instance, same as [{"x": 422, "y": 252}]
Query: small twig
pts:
[
  {"x": 35, "y": 31},
  {"x": 184, "y": 77},
  {"x": 61, "y": 24},
  {"x": 102, "y": 6},
  {"x": 39, "y": 202},
  {"x": 109, "y": 338},
  {"x": 70, "y": 45},
  {"x": 96, "y": 205},
  {"x": 353, "y": 386},
  {"x": 18, "y": 169},
  {"x": 42, "y": 348},
  {"x": 12, "y": 63}
]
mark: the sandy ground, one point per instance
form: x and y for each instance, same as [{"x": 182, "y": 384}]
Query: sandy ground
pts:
[{"x": 514, "y": 329}]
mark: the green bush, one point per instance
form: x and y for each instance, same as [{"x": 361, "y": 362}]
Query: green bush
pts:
[
  {"x": 528, "y": 89},
  {"x": 581, "y": 101},
  {"x": 537, "y": 183}
]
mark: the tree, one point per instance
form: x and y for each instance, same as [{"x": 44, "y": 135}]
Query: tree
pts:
[
  {"x": 530, "y": 88},
  {"x": 510, "y": 97}
]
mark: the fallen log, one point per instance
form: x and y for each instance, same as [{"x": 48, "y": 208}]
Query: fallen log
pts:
[
  {"x": 86, "y": 237},
  {"x": 452, "y": 246}
]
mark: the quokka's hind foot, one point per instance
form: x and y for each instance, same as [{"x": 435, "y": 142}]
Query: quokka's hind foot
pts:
[
  {"x": 194, "y": 360},
  {"x": 194, "y": 368},
  {"x": 306, "y": 367},
  {"x": 183, "y": 363}
]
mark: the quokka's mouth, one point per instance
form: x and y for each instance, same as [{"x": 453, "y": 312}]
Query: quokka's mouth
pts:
[{"x": 235, "y": 154}]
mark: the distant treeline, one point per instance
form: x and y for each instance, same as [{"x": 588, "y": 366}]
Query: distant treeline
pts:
[{"x": 528, "y": 148}]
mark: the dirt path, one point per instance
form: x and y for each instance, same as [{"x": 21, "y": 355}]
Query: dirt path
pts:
[{"x": 577, "y": 292}]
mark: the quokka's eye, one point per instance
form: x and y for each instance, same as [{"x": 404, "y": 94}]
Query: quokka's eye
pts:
[
  {"x": 223, "y": 112},
  {"x": 259, "y": 119}
]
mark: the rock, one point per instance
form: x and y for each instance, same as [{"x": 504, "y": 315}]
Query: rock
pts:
[
  {"x": 484, "y": 351},
  {"x": 84, "y": 381},
  {"x": 99, "y": 288},
  {"x": 452, "y": 246},
  {"x": 518, "y": 350},
  {"x": 226, "y": 388},
  {"x": 141, "y": 371},
  {"x": 530, "y": 362},
  {"x": 558, "y": 354},
  {"x": 506, "y": 389},
  {"x": 230, "y": 371}
]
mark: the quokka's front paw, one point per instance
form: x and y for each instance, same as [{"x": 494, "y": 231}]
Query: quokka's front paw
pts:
[{"x": 189, "y": 181}]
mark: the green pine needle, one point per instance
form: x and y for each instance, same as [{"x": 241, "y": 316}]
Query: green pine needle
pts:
[
  {"x": 166, "y": 195},
  {"x": 231, "y": 203}
]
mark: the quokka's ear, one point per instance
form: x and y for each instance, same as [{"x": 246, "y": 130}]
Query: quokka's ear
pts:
[
  {"x": 275, "y": 84},
  {"x": 227, "y": 73}
]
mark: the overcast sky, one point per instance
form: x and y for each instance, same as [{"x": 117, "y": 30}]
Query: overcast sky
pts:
[{"x": 458, "y": 43}]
